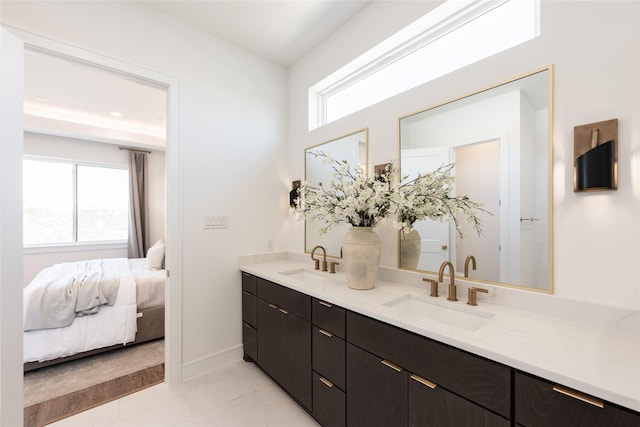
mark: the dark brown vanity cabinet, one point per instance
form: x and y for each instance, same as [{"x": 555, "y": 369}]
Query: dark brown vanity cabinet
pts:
[
  {"x": 329, "y": 377},
  {"x": 284, "y": 338},
  {"x": 415, "y": 381},
  {"x": 541, "y": 403},
  {"x": 249, "y": 317},
  {"x": 347, "y": 369}
]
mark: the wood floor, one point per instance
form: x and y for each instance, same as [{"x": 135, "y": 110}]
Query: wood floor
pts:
[{"x": 57, "y": 392}]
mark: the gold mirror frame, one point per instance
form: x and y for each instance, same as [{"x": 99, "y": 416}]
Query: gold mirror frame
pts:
[
  {"x": 514, "y": 220},
  {"x": 352, "y": 147}
]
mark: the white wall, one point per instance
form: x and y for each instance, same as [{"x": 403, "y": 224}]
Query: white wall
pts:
[
  {"x": 58, "y": 147},
  {"x": 594, "y": 47},
  {"x": 232, "y": 121}
]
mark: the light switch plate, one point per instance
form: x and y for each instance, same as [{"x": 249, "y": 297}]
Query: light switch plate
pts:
[{"x": 215, "y": 222}]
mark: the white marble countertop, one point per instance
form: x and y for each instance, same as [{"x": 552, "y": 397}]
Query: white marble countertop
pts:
[{"x": 598, "y": 361}]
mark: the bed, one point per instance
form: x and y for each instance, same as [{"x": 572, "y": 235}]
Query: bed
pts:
[{"x": 113, "y": 302}]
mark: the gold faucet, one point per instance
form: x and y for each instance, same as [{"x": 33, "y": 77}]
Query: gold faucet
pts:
[
  {"x": 317, "y": 261},
  {"x": 466, "y": 264},
  {"x": 452, "y": 284}
]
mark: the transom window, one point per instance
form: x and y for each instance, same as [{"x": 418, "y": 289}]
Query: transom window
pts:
[
  {"x": 451, "y": 36},
  {"x": 70, "y": 202}
]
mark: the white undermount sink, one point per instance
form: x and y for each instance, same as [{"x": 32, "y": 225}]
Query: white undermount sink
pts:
[
  {"x": 305, "y": 274},
  {"x": 454, "y": 314}
]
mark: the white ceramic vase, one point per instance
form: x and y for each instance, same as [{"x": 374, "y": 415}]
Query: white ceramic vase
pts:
[
  {"x": 361, "y": 254},
  {"x": 410, "y": 245}
]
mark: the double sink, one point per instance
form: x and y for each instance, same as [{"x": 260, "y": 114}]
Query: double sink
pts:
[{"x": 411, "y": 306}]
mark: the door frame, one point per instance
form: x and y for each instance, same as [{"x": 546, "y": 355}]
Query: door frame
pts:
[{"x": 173, "y": 177}]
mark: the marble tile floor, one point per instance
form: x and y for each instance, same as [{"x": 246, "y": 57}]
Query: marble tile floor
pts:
[{"x": 237, "y": 395}]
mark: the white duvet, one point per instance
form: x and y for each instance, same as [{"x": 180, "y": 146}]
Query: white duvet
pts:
[{"x": 114, "y": 324}]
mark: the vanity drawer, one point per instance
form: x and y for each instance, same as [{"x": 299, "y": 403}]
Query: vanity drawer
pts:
[
  {"x": 249, "y": 283},
  {"x": 329, "y": 356},
  {"x": 480, "y": 380},
  {"x": 285, "y": 298},
  {"x": 329, "y": 317},
  {"x": 329, "y": 403},
  {"x": 542, "y": 403},
  {"x": 249, "y": 313},
  {"x": 250, "y": 341}
]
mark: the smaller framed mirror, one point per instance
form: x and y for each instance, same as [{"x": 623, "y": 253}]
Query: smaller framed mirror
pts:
[{"x": 352, "y": 148}]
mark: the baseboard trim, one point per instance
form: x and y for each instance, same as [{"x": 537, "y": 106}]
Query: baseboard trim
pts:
[{"x": 210, "y": 363}]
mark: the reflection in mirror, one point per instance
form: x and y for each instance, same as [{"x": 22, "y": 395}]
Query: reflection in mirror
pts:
[
  {"x": 500, "y": 142},
  {"x": 351, "y": 148}
]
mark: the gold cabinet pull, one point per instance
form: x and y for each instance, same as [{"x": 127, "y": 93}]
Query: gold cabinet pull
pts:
[
  {"x": 423, "y": 381},
  {"x": 283, "y": 311},
  {"x": 326, "y": 382},
  {"x": 326, "y": 304},
  {"x": 391, "y": 365},
  {"x": 580, "y": 396},
  {"x": 275, "y": 307},
  {"x": 326, "y": 333}
]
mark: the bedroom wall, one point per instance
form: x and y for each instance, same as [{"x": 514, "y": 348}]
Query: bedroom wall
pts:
[
  {"x": 38, "y": 144},
  {"x": 232, "y": 151},
  {"x": 596, "y": 235}
]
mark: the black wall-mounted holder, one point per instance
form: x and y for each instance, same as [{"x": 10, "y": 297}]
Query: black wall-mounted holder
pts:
[
  {"x": 595, "y": 162},
  {"x": 293, "y": 194}
]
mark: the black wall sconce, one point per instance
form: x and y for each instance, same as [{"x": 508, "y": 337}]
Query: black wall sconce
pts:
[
  {"x": 595, "y": 156},
  {"x": 293, "y": 194}
]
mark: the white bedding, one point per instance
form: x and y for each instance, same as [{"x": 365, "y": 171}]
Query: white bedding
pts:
[{"x": 112, "y": 324}]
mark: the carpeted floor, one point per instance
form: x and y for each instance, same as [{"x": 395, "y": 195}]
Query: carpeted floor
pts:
[{"x": 56, "y": 392}]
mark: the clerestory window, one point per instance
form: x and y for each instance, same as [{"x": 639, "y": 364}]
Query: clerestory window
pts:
[{"x": 452, "y": 36}]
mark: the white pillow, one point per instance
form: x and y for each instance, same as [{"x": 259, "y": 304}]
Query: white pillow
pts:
[{"x": 155, "y": 256}]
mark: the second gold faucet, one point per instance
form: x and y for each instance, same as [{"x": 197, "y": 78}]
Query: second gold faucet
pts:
[{"x": 452, "y": 277}]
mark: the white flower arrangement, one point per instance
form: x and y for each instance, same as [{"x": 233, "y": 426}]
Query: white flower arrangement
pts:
[
  {"x": 427, "y": 197},
  {"x": 351, "y": 197},
  {"x": 363, "y": 201}
]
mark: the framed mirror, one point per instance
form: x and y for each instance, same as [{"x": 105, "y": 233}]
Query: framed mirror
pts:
[
  {"x": 500, "y": 140},
  {"x": 351, "y": 148}
]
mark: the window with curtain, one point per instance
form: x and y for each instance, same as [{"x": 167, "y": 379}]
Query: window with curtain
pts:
[{"x": 71, "y": 202}]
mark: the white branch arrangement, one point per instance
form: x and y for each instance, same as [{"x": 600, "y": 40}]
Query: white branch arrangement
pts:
[{"x": 362, "y": 201}]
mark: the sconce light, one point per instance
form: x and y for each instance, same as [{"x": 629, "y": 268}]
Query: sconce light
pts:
[
  {"x": 293, "y": 194},
  {"x": 595, "y": 163}
]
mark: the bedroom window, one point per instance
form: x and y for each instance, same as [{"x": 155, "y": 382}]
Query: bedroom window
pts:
[{"x": 70, "y": 202}]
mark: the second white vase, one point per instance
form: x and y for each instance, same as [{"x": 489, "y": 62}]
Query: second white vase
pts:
[{"x": 361, "y": 254}]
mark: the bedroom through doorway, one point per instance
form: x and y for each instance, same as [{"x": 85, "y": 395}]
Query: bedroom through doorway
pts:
[{"x": 90, "y": 118}]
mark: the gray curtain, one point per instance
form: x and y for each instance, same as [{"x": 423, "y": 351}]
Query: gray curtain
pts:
[{"x": 138, "y": 205}]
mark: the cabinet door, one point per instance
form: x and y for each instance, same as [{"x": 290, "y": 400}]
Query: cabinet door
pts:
[
  {"x": 295, "y": 357},
  {"x": 479, "y": 380},
  {"x": 438, "y": 407},
  {"x": 541, "y": 403},
  {"x": 269, "y": 342},
  {"x": 376, "y": 392}
]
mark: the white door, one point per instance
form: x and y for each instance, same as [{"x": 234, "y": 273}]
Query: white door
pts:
[
  {"x": 434, "y": 235},
  {"x": 478, "y": 176},
  {"x": 11, "y": 129}
]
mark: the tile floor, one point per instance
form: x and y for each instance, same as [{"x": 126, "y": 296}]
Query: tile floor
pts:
[{"x": 237, "y": 395}]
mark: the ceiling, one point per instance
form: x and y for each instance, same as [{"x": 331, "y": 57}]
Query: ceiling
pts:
[
  {"x": 282, "y": 31},
  {"x": 76, "y": 100}
]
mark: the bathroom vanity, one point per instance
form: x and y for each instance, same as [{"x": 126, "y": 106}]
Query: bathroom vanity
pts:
[{"x": 393, "y": 356}]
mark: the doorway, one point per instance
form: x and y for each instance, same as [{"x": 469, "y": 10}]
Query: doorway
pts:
[{"x": 171, "y": 223}]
